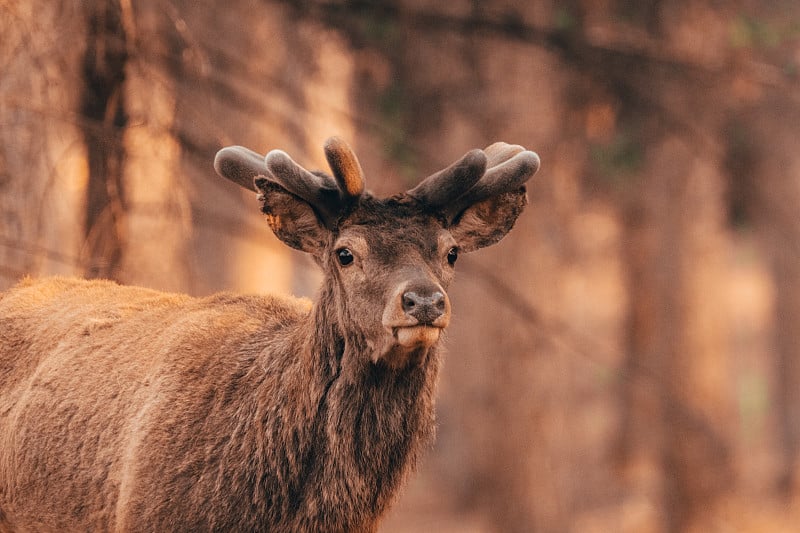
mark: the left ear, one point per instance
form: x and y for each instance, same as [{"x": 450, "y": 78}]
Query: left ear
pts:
[{"x": 488, "y": 221}]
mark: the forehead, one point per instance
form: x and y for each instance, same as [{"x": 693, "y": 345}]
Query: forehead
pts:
[{"x": 392, "y": 223}]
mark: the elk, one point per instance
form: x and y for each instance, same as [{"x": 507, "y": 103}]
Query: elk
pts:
[{"x": 128, "y": 409}]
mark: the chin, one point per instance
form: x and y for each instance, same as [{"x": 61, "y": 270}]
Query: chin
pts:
[{"x": 407, "y": 345}]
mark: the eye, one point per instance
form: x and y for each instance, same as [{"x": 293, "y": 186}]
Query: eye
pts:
[
  {"x": 452, "y": 255},
  {"x": 345, "y": 256}
]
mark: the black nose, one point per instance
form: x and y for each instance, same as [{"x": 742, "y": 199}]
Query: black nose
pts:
[{"x": 424, "y": 307}]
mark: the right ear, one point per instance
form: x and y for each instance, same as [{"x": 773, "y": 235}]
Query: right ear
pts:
[{"x": 291, "y": 219}]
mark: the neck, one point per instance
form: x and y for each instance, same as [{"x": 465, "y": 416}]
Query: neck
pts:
[{"x": 367, "y": 422}]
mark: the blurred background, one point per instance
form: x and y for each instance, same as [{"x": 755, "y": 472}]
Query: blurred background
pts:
[{"x": 628, "y": 359}]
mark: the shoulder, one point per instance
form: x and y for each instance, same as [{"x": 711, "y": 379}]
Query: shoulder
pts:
[{"x": 264, "y": 308}]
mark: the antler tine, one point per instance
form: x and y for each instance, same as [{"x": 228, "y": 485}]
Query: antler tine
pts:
[
  {"x": 240, "y": 165},
  {"x": 345, "y": 166},
  {"x": 441, "y": 188},
  {"x": 318, "y": 190},
  {"x": 501, "y": 152},
  {"x": 515, "y": 168}
]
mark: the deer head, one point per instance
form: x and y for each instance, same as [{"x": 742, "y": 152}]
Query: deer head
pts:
[{"x": 387, "y": 262}]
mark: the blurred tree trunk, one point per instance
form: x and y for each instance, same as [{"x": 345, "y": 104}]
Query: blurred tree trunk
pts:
[
  {"x": 641, "y": 407},
  {"x": 42, "y": 161},
  {"x": 675, "y": 405},
  {"x": 104, "y": 120},
  {"x": 769, "y": 169}
]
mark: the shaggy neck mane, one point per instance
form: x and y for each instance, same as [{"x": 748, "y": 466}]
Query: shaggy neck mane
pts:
[{"x": 364, "y": 424}]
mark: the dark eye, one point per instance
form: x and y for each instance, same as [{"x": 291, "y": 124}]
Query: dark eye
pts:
[
  {"x": 345, "y": 256},
  {"x": 452, "y": 255}
]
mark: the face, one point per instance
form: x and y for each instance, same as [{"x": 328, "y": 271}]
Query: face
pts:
[
  {"x": 392, "y": 267},
  {"x": 388, "y": 262}
]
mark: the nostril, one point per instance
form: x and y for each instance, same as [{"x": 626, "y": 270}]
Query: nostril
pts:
[
  {"x": 438, "y": 300},
  {"x": 410, "y": 301}
]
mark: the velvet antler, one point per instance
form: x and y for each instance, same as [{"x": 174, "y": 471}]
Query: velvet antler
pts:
[
  {"x": 328, "y": 196},
  {"x": 478, "y": 175},
  {"x": 240, "y": 165},
  {"x": 440, "y": 188},
  {"x": 345, "y": 166}
]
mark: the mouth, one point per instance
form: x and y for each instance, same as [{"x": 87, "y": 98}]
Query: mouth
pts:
[
  {"x": 407, "y": 344},
  {"x": 417, "y": 336}
]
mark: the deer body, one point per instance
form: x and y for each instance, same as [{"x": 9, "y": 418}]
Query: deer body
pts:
[
  {"x": 222, "y": 420},
  {"x": 126, "y": 409}
]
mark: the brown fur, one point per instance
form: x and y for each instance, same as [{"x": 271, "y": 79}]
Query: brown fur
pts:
[{"x": 126, "y": 409}]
